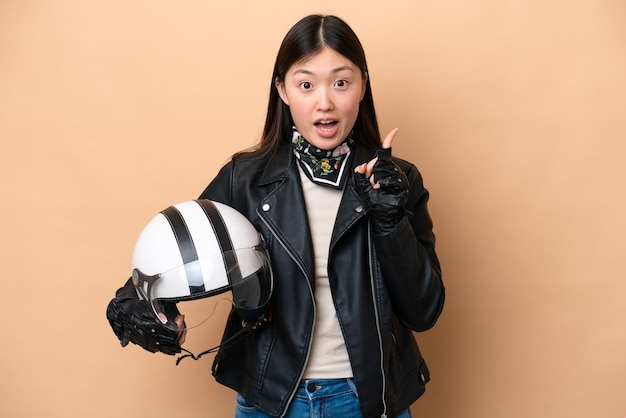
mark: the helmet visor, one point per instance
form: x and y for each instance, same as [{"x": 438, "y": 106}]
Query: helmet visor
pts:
[{"x": 242, "y": 276}]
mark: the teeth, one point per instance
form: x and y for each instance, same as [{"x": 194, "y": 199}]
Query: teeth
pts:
[{"x": 326, "y": 122}]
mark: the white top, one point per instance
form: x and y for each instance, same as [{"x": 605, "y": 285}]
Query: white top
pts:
[{"x": 329, "y": 357}]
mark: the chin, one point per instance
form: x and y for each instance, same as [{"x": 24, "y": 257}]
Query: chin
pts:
[{"x": 327, "y": 144}]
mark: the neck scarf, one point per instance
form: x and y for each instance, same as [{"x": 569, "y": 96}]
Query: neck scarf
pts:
[{"x": 323, "y": 167}]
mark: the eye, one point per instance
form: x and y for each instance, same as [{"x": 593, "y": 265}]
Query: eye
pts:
[
  {"x": 341, "y": 83},
  {"x": 306, "y": 85}
]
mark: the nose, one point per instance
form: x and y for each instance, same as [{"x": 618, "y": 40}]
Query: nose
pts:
[{"x": 324, "y": 100}]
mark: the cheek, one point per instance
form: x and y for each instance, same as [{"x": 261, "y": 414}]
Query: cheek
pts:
[
  {"x": 299, "y": 120},
  {"x": 298, "y": 109},
  {"x": 350, "y": 108}
]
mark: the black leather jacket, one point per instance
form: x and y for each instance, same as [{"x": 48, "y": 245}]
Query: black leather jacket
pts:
[{"x": 383, "y": 287}]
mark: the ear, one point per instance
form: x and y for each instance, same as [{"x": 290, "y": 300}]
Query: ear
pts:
[{"x": 280, "y": 87}]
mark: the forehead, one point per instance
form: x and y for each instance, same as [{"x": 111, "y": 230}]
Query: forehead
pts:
[{"x": 325, "y": 60}]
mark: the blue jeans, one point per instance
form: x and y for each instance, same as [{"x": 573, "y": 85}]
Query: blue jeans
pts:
[{"x": 318, "y": 398}]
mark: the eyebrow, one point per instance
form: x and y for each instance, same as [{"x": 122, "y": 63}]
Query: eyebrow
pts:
[{"x": 334, "y": 70}]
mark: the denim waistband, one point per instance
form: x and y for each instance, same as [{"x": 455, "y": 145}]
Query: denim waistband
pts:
[{"x": 317, "y": 388}]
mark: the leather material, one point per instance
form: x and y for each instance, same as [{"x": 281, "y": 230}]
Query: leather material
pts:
[
  {"x": 386, "y": 203},
  {"x": 133, "y": 320},
  {"x": 384, "y": 287}
]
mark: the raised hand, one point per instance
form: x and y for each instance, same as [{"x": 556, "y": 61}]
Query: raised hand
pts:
[{"x": 383, "y": 187}]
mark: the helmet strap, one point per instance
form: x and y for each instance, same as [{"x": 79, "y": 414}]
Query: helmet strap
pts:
[{"x": 235, "y": 338}]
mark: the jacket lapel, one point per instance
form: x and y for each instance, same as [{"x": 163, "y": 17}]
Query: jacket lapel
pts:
[
  {"x": 351, "y": 208},
  {"x": 284, "y": 210}
]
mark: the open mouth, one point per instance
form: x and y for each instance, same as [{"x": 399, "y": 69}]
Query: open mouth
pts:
[{"x": 326, "y": 124}]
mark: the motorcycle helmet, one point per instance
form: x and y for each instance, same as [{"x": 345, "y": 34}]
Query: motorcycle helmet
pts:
[{"x": 198, "y": 249}]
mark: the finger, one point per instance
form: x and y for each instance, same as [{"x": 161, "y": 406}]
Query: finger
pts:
[
  {"x": 366, "y": 169},
  {"x": 182, "y": 331},
  {"x": 389, "y": 138},
  {"x": 368, "y": 173},
  {"x": 360, "y": 168},
  {"x": 370, "y": 167},
  {"x": 362, "y": 182}
]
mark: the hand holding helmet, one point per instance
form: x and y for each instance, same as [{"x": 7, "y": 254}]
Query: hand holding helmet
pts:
[{"x": 133, "y": 321}]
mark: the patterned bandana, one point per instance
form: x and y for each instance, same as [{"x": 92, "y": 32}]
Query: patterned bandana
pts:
[{"x": 324, "y": 167}]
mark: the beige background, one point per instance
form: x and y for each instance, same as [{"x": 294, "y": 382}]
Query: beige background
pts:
[{"x": 514, "y": 111}]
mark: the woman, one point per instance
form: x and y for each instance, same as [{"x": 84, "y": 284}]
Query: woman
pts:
[
  {"x": 354, "y": 260},
  {"x": 350, "y": 240}
]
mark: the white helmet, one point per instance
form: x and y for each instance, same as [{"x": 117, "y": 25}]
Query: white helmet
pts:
[{"x": 200, "y": 248}]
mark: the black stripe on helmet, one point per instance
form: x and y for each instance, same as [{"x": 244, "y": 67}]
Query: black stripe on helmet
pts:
[
  {"x": 187, "y": 249},
  {"x": 223, "y": 239}
]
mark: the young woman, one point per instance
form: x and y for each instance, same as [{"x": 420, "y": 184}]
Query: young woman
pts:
[
  {"x": 349, "y": 237},
  {"x": 350, "y": 241}
]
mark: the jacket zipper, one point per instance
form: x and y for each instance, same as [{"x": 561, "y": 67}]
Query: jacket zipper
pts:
[
  {"x": 378, "y": 328},
  {"x": 308, "y": 353}
]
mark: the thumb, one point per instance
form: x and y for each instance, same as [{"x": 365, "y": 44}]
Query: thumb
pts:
[{"x": 389, "y": 138}]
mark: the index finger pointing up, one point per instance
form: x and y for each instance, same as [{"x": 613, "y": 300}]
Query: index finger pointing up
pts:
[{"x": 389, "y": 138}]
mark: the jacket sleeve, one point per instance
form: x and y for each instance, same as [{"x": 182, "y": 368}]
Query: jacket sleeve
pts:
[{"x": 408, "y": 261}]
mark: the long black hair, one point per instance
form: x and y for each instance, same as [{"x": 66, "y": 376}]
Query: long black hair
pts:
[{"x": 305, "y": 39}]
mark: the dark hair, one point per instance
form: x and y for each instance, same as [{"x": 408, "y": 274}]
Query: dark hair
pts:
[{"x": 306, "y": 38}]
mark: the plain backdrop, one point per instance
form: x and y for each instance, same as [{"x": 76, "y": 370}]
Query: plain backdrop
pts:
[{"x": 514, "y": 112}]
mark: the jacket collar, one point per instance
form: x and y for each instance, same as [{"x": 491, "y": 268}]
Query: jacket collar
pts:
[
  {"x": 281, "y": 166},
  {"x": 277, "y": 166}
]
